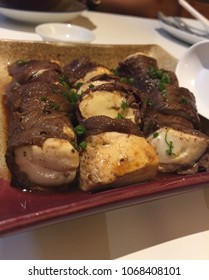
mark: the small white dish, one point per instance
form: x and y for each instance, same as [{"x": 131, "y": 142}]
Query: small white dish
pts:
[
  {"x": 64, "y": 33},
  {"x": 193, "y": 73}
]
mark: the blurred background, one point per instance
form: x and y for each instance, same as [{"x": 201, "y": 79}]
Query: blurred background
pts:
[{"x": 169, "y": 7}]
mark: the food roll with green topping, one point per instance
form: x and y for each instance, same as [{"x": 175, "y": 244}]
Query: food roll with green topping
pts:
[
  {"x": 160, "y": 87},
  {"x": 114, "y": 151},
  {"x": 42, "y": 145},
  {"x": 171, "y": 122},
  {"x": 113, "y": 99},
  {"x": 144, "y": 71},
  {"x": 101, "y": 92},
  {"x": 116, "y": 154},
  {"x": 178, "y": 149}
]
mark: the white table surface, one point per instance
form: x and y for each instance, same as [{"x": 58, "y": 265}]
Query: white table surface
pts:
[{"x": 175, "y": 227}]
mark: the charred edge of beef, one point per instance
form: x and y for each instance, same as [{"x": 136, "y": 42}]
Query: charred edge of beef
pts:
[
  {"x": 78, "y": 68},
  {"x": 99, "y": 124}
]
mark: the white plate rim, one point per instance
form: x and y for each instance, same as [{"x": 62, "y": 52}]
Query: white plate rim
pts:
[{"x": 40, "y": 17}]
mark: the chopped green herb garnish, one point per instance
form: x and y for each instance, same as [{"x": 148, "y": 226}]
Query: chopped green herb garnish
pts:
[
  {"x": 166, "y": 78},
  {"x": 131, "y": 81},
  {"x": 123, "y": 80},
  {"x": 152, "y": 72},
  {"x": 91, "y": 86},
  {"x": 120, "y": 116},
  {"x": 155, "y": 135},
  {"x": 56, "y": 107},
  {"x": 53, "y": 105},
  {"x": 124, "y": 105},
  {"x": 159, "y": 74},
  {"x": 115, "y": 71},
  {"x": 155, "y": 73},
  {"x": 164, "y": 93},
  {"x": 162, "y": 76},
  {"x": 71, "y": 96},
  {"x": 184, "y": 100},
  {"x": 78, "y": 85},
  {"x": 21, "y": 62},
  {"x": 169, "y": 151},
  {"x": 80, "y": 130},
  {"x": 43, "y": 98},
  {"x": 83, "y": 145},
  {"x": 50, "y": 103},
  {"x": 64, "y": 81},
  {"x": 161, "y": 85}
]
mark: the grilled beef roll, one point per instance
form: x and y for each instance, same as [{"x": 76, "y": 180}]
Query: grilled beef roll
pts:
[
  {"x": 41, "y": 151},
  {"x": 170, "y": 118},
  {"x": 102, "y": 93},
  {"x": 130, "y": 124},
  {"x": 112, "y": 99},
  {"x": 116, "y": 154}
]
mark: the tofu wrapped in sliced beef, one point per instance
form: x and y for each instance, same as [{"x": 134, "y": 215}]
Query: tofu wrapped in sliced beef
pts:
[
  {"x": 177, "y": 142},
  {"x": 112, "y": 99},
  {"x": 116, "y": 154},
  {"x": 41, "y": 151},
  {"x": 178, "y": 145},
  {"x": 110, "y": 110},
  {"x": 169, "y": 114},
  {"x": 101, "y": 92},
  {"x": 178, "y": 149},
  {"x": 160, "y": 87}
]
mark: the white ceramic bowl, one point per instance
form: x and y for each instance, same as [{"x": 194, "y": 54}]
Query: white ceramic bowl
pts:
[
  {"x": 64, "y": 11},
  {"x": 193, "y": 73},
  {"x": 64, "y": 32}
]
